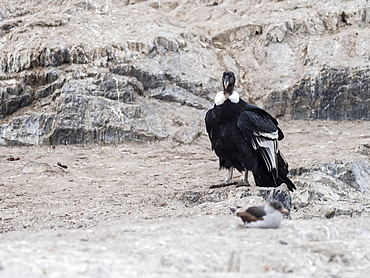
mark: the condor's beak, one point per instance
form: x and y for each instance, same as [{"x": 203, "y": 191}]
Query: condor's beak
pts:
[{"x": 226, "y": 81}]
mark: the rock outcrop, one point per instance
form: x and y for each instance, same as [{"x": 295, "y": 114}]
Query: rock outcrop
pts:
[
  {"x": 345, "y": 184},
  {"x": 335, "y": 94},
  {"x": 103, "y": 71}
]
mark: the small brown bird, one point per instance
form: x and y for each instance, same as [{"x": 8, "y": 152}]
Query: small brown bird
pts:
[{"x": 262, "y": 217}]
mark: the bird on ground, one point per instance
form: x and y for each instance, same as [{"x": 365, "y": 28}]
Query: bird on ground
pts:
[
  {"x": 262, "y": 217},
  {"x": 245, "y": 137}
]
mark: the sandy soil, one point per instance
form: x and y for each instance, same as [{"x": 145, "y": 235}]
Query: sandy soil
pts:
[{"x": 130, "y": 210}]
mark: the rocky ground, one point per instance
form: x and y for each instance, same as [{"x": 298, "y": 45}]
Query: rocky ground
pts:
[
  {"x": 146, "y": 210},
  {"x": 105, "y": 167}
]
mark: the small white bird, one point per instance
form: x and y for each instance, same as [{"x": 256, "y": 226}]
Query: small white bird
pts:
[{"x": 262, "y": 217}]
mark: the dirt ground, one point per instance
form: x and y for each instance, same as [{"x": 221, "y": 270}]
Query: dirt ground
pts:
[{"x": 124, "y": 211}]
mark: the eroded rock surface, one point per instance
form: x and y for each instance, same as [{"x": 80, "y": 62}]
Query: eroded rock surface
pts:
[{"x": 110, "y": 71}]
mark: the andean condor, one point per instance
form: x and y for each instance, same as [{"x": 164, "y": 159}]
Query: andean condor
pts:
[{"x": 246, "y": 137}]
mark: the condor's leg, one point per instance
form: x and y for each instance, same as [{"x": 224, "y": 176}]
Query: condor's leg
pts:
[
  {"x": 228, "y": 181},
  {"x": 244, "y": 181},
  {"x": 229, "y": 177},
  {"x": 245, "y": 178}
]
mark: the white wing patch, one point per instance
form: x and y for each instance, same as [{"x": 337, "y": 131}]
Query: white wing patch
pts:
[
  {"x": 270, "y": 156},
  {"x": 271, "y": 135}
]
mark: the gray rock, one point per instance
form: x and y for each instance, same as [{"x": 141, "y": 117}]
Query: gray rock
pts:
[
  {"x": 364, "y": 149},
  {"x": 345, "y": 184},
  {"x": 36, "y": 167},
  {"x": 355, "y": 174},
  {"x": 239, "y": 196},
  {"x": 282, "y": 194},
  {"x": 149, "y": 79},
  {"x": 335, "y": 94},
  {"x": 179, "y": 95},
  {"x": 92, "y": 72}
]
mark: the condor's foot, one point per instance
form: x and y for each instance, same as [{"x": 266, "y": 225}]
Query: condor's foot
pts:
[
  {"x": 243, "y": 183},
  {"x": 223, "y": 184}
]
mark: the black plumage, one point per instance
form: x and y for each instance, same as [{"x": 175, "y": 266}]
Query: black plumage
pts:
[{"x": 245, "y": 137}]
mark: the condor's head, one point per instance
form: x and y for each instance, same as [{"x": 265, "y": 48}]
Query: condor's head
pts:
[{"x": 228, "y": 82}]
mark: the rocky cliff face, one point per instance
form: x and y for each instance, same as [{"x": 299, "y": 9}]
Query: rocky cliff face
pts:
[
  {"x": 335, "y": 94},
  {"x": 109, "y": 71}
]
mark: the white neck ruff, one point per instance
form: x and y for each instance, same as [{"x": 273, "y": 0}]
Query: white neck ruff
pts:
[{"x": 220, "y": 98}]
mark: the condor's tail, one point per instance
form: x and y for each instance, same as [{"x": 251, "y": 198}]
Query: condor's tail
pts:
[{"x": 264, "y": 178}]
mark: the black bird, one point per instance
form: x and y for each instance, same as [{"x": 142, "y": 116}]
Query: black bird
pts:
[{"x": 246, "y": 137}]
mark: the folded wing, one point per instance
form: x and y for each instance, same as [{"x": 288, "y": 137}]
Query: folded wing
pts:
[{"x": 262, "y": 133}]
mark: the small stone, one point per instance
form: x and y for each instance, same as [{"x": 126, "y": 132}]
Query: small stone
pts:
[
  {"x": 35, "y": 167},
  {"x": 282, "y": 194},
  {"x": 330, "y": 214},
  {"x": 363, "y": 149}
]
